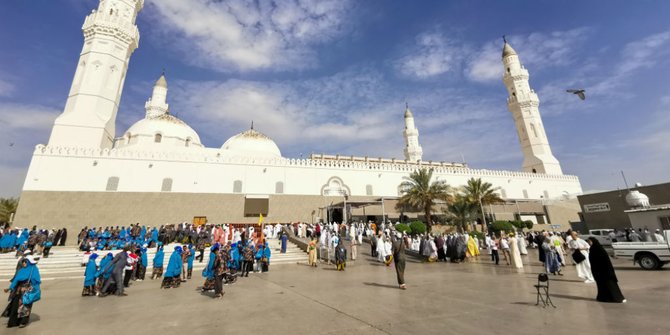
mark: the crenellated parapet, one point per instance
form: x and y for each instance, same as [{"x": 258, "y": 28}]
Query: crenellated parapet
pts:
[{"x": 216, "y": 156}]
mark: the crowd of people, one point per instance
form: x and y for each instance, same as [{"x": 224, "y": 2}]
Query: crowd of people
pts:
[
  {"x": 235, "y": 252},
  {"x": 38, "y": 241}
]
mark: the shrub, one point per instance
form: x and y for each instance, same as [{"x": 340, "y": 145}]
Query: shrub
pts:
[
  {"x": 529, "y": 224},
  {"x": 417, "y": 227},
  {"x": 503, "y": 226},
  {"x": 403, "y": 228},
  {"x": 477, "y": 234},
  {"x": 519, "y": 225}
]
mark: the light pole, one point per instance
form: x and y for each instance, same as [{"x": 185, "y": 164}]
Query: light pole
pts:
[
  {"x": 344, "y": 210},
  {"x": 481, "y": 208}
]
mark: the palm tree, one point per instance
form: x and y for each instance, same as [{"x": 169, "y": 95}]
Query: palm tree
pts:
[
  {"x": 418, "y": 192},
  {"x": 461, "y": 211},
  {"x": 480, "y": 193},
  {"x": 7, "y": 208}
]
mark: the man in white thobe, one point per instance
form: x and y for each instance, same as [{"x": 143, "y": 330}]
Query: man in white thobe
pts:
[{"x": 583, "y": 267}]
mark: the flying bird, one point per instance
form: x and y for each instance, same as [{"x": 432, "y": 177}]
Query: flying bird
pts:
[
  {"x": 579, "y": 93},
  {"x": 11, "y": 144}
]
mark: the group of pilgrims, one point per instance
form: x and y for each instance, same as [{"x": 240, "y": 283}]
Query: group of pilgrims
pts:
[
  {"x": 228, "y": 255},
  {"x": 39, "y": 241},
  {"x": 234, "y": 252}
]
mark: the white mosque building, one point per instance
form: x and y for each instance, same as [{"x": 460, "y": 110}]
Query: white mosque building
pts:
[{"x": 158, "y": 171}]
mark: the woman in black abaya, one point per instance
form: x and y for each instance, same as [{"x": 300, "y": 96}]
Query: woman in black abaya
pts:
[{"x": 603, "y": 273}]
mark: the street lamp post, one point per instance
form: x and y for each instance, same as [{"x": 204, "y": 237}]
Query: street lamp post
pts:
[{"x": 481, "y": 208}]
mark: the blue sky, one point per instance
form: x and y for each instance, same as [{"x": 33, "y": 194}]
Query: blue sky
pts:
[{"x": 333, "y": 77}]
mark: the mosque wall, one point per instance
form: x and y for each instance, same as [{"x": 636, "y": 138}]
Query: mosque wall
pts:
[{"x": 203, "y": 171}]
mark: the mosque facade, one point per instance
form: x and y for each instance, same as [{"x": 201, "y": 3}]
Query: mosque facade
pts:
[{"x": 158, "y": 171}]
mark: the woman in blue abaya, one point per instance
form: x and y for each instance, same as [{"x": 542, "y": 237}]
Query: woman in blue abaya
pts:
[
  {"x": 157, "y": 271},
  {"x": 104, "y": 273},
  {"x": 24, "y": 291},
  {"x": 89, "y": 276},
  {"x": 172, "y": 277},
  {"x": 208, "y": 271}
]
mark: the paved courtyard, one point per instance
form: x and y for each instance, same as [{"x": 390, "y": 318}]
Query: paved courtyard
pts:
[{"x": 295, "y": 299}]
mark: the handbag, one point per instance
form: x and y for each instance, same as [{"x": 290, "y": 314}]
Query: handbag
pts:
[
  {"x": 31, "y": 295},
  {"x": 577, "y": 256}
]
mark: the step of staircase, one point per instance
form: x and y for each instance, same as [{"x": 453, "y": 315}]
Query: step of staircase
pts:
[{"x": 65, "y": 262}]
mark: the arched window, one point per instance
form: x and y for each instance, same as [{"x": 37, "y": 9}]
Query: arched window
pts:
[
  {"x": 534, "y": 171},
  {"x": 525, "y": 194},
  {"x": 503, "y": 193},
  {"x": 279, "y": 187},
  {"x": 237, "y": 186},
  {"x": 368, "y": 189},
  {"x": 112, "y": 184},
  {"x": 546, "y": 194},
  {"x": 188, "y": 142},
  {"x": 167, "y": 185},
  {"x": 158, "y": 138}
]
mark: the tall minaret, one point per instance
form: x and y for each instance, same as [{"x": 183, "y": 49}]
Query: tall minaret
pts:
[
  {"x": 110, "y": 37},
  {"x": 157, "y": 105},
  {"x": 413, "y": 151},
  {"x": 524, "y": 104}
]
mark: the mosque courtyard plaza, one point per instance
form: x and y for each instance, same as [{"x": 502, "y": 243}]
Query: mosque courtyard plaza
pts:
[{"x": 442, "y": 298}]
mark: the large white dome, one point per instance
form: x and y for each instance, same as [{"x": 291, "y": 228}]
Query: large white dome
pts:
[
  {"x": 251, "y": 143},
  {"x": 161, "y": 130}
]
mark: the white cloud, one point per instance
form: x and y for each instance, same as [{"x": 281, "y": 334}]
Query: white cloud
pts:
[
  {"x": 432, "y": 55},
  {"x": 248, "y": 35},
  {"x": 636, "y": 55},
  {"x": 15, "y": 116}
]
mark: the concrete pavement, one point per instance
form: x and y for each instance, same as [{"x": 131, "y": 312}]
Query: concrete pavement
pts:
[{"x": 296, "y": 299}]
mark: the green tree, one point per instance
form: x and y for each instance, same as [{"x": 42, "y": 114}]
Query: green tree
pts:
[
  {"x": 479, "y": 194},
  {"x": 7, "y": 208},
  {"x": 403, "y": 228},
  {"x": 461, "y": 211},
  {"x": 421, "y": 193},
  {"x": 417, "y": 227},
  {"x": 529, "y": 224},
  {"x": 502, "y": 226}
]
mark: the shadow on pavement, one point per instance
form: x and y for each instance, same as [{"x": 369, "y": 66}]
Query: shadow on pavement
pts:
[
  {"x": 571, "y": 297},
  {"x": 381, "y": 285},
  {"x": 523, "y": 303}
]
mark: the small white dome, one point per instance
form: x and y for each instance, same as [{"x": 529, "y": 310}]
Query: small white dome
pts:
[
  {"x": 162, "y": 129},
  {"x": 637, "y": 199},
  {"x": 251, "y": 143}
]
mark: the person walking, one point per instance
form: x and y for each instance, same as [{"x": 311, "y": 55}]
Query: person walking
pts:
[
  {"x": 494, "y": 250},
  {"x": 603, "y": 274},
  {"x": 580, "y": 254},
  {"x": 514, "y": 251},
  {"x": 24, "y": 291},
  {"x": 311, "y": 251},
  {"x": 89, "y": 276},
  {"x": 340, "y": 256},
  {"x": 159, "y": 257},
  {"x": 504, "y": 246},
  {"x": 399, "y": 260},
  {"x": 117, "y": 265}
]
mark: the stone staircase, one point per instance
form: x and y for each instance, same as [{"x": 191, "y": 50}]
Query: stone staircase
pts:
[{"x": 65, "y": 262}]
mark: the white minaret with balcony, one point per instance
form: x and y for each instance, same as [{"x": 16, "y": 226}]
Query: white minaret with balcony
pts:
[
  {"x": 110, "y": 37},
  {"x": 524, "y": 104},
  {"x": 157, "y": 104},
  {"x": 413, "y": 151}
]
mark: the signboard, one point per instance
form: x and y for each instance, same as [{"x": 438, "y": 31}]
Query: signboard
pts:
[
  {"x": 595, "y": 208},
  {"x": 199, "y": 220}
]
